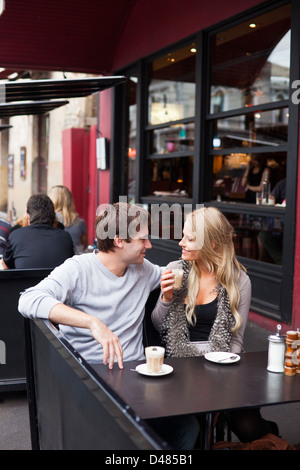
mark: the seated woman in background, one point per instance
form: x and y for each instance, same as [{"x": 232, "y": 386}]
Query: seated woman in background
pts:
[
  {"x": 212, "y": 304},
  {"x": 66, "y": 214}
]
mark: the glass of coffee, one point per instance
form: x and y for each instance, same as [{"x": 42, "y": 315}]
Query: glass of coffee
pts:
[
  {"x": 178, "y": 273},
  {"x": 154, "y": 358}
]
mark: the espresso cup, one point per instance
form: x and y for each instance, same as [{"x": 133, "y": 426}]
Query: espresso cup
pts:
[
  {"x": 178, "y": 275},
  {"x": 154, "y": 358}
]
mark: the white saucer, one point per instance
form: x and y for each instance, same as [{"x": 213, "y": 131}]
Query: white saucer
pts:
[
  {"x": 222, "y": 357},
  {"x": 142, "y": 369}
]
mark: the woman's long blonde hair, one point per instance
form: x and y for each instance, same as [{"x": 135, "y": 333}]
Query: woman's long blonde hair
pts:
[
  {"x": 214, "y": 234},
  {"x": 63, "y": 202}
]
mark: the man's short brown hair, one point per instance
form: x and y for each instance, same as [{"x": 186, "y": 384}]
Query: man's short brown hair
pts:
[
  {"x": 40, "y": 209},
  {"x": 122, "y": 219}
]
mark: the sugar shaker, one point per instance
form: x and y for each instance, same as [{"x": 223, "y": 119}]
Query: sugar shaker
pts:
[{"x": 276, "y": 353}]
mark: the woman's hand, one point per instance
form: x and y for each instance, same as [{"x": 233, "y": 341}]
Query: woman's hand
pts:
[{"x": 167, "y": 285}]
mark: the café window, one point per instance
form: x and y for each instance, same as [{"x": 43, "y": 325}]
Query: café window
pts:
[
  {"x": 258, "y": 237},
  {"x": 250, "y": 62},
  {"x": 170, "y": 130},
  {"x": 248, "y": 127}
]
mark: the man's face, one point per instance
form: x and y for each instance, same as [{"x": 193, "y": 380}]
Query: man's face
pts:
[{"x": 135, "y": 251}]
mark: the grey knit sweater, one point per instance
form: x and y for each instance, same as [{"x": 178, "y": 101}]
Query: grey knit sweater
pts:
[{"x": 84, "y": 283}]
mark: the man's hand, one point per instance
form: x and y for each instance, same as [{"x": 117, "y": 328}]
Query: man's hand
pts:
[
  {"x": 109, "y": 342},
  {"x": 65, "y": 315}
]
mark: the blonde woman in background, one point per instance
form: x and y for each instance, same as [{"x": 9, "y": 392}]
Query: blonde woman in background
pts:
[
  {"x": 66, "y": 214},
  {"x": 211, "y": 307}
]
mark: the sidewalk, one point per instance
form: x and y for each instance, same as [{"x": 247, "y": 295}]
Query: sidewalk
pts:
[{"x": 14, "y": 420}]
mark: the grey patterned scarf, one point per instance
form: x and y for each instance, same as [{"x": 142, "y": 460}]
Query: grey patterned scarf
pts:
[{"x": 174, "y": 330}]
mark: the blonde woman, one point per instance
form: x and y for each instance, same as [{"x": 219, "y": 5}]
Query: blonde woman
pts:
[
  {"x": 66, "y": 214},
  {"x": 213, "y": 302},
  {"x": 211, "y": 307}
]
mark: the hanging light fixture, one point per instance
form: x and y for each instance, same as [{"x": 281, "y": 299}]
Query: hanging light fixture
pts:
[{"x": 2, "y": 6}]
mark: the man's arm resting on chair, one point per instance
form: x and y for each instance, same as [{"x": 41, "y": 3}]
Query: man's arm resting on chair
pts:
[{"x": 65, "y": 315}]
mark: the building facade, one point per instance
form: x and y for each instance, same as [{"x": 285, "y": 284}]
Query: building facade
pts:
[
  {"x": 210, "y": 88},
  {"x": 208, "y": 91}
]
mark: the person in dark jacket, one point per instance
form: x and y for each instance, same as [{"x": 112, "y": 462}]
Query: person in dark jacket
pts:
[{"x": 38, "y": 245}]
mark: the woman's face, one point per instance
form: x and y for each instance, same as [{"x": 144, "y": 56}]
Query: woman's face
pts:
[{"x": 190, "y": 246}]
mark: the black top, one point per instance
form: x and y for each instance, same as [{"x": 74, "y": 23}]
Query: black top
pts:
[
  {"x": 205, "y": 317},
  {"x": 37, "y": 246},
  {"x": 254, "y": 179}
]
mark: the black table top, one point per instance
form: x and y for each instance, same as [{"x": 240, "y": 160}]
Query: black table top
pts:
[{"x": 199, "y": 386}]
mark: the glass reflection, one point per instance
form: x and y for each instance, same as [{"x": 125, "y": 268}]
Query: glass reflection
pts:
[
  {"x": 172, "y": 177},
  {"x": 171, "y": 91},
  {"x": 250, "y": 65},
  {"x": 258, "y": 237},
  {"x": 172, "y": 139},
  {"x": 252, "y": 130},
  {"x": 238, "y": 176}
]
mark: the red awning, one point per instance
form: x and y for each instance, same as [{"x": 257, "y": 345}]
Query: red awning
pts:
[{"x": 68, "y": 35}]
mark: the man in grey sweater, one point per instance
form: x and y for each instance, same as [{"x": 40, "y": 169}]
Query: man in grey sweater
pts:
[{"x": 98, "y": 299}]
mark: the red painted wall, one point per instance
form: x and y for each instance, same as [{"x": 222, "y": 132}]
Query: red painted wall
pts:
[
  {"x": 76, "y": 144},
  {"x": 80, "y": 166}
]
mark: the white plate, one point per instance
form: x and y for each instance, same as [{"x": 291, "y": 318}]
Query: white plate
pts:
[
  {"x": 222, "y": 357},
  {"x": 142, "y": 369}
]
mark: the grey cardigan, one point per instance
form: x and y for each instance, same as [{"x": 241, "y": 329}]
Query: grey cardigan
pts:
[{"x": 169, "y": 318}]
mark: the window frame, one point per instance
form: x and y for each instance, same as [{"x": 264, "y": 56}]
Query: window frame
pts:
[{"x": 148, "y": 199}]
